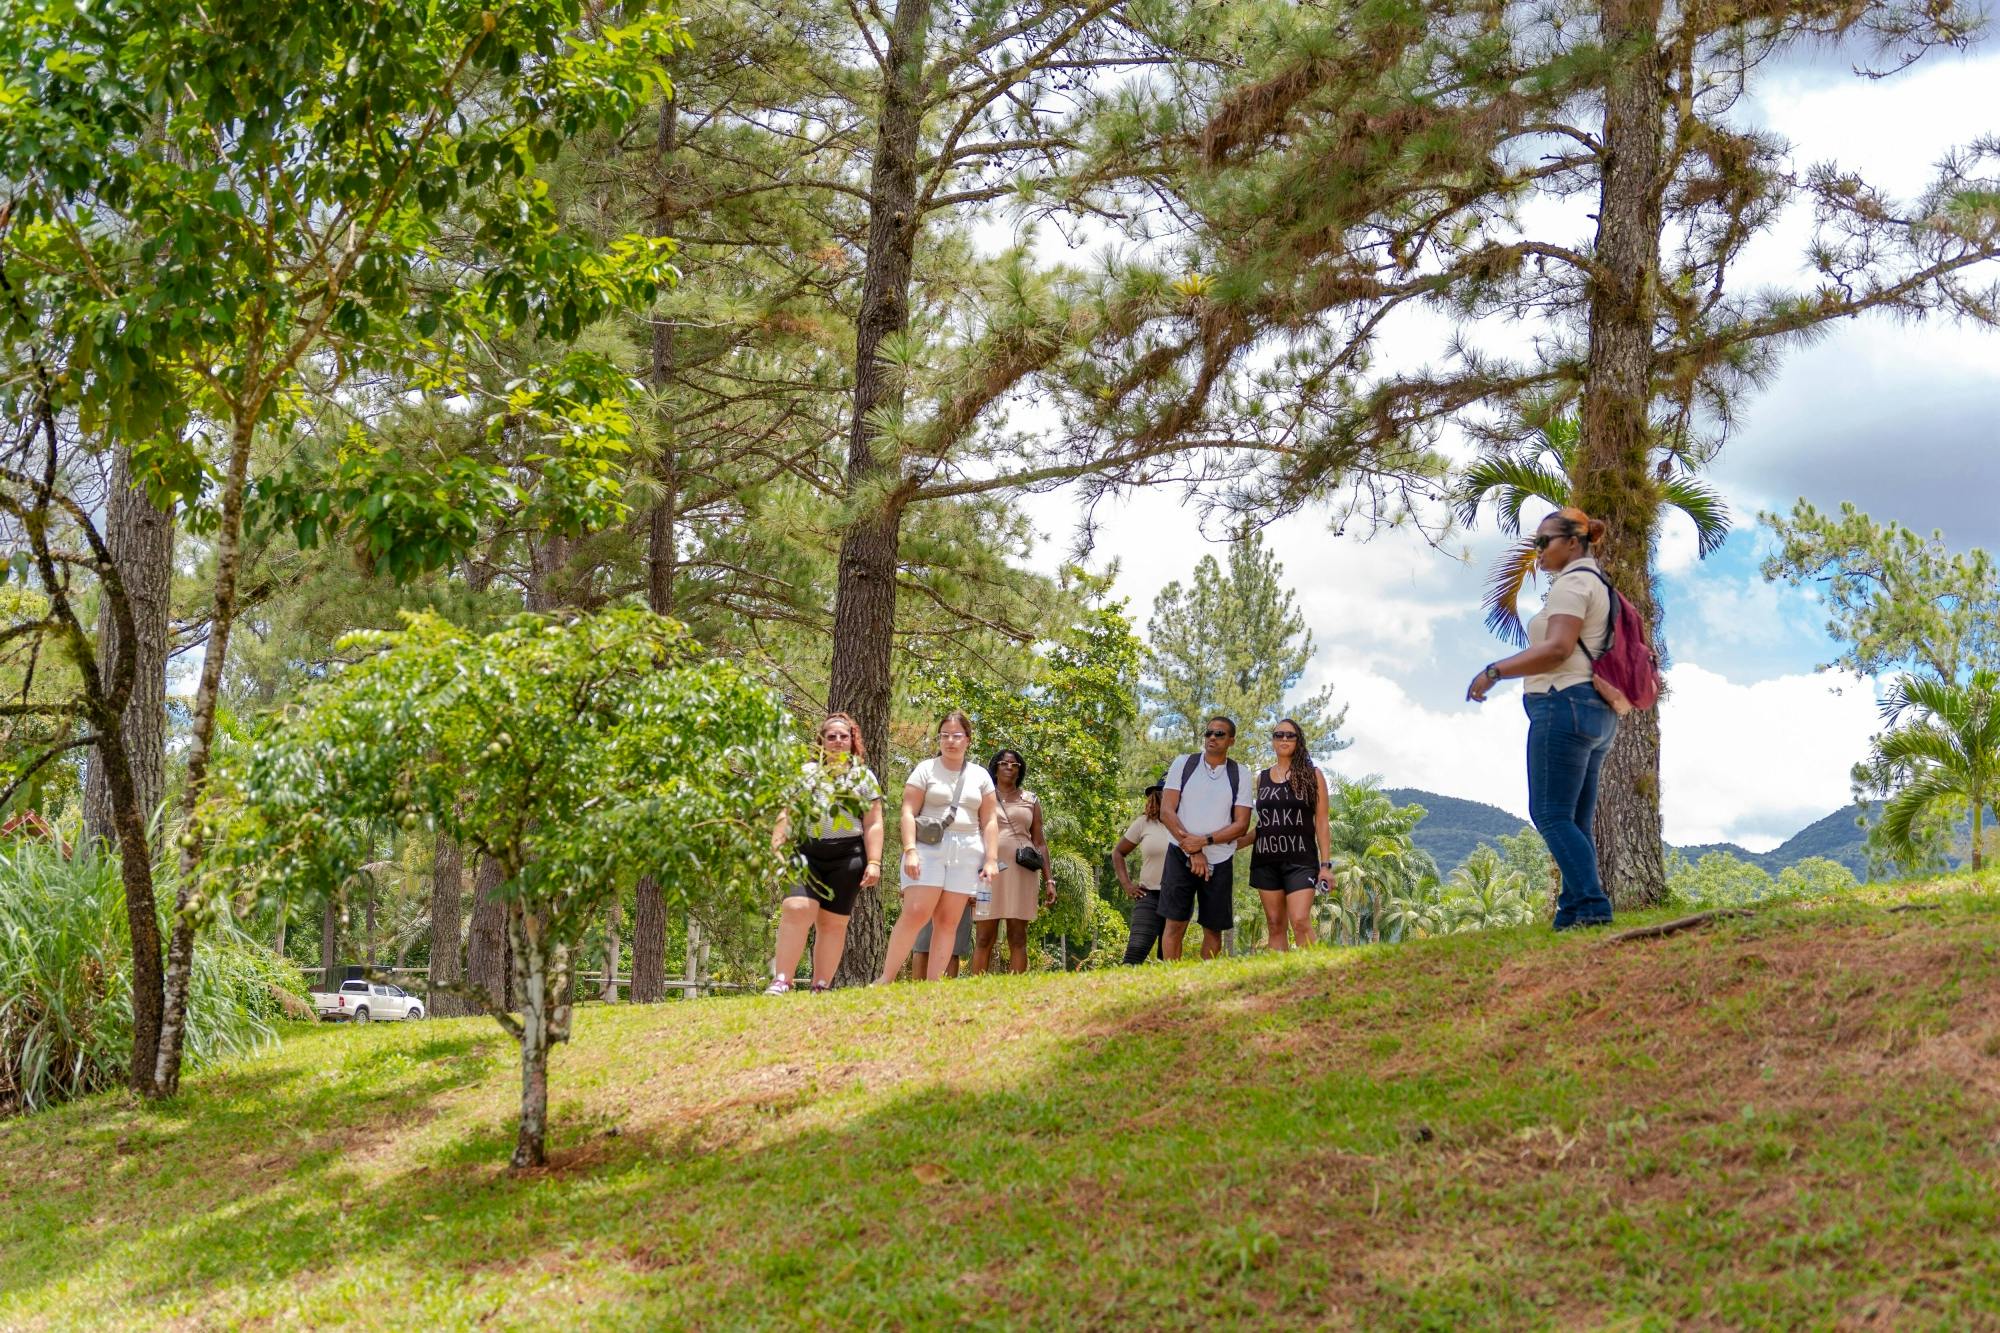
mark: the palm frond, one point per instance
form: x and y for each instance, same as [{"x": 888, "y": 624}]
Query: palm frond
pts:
[
  {"x": 1503, "y": 591},
  {"x": 1511, "y": 482},
  {"x": 1705, "y": 506}
]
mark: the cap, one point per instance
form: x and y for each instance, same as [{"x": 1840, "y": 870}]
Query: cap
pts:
[{"x": 1157, "y": 786}]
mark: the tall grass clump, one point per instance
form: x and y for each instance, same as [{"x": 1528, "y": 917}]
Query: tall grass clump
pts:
[{"x": 65, "y": 981}]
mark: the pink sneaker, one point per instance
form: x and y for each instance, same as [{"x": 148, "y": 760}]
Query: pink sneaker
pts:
[{"x": 779, "y": 987}]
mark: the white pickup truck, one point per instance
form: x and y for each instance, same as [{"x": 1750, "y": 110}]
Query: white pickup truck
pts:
[{"x": 366, "y": 1001}]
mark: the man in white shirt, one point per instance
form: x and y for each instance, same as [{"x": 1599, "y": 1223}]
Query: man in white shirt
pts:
[{"x": 1206, "y": 806}]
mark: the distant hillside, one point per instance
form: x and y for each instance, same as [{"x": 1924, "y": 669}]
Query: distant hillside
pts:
[{"x": 1453, "y": 827}]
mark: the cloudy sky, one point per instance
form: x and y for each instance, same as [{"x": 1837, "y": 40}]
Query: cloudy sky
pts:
[{"x": 1898, "y": 418}]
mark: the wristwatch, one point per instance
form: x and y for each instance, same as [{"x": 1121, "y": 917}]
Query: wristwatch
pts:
[
  {"x": 1492, "y": 672},
  {"x": 1208, "y": 840}
]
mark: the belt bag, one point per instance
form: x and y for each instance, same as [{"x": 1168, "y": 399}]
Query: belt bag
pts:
[{"x": 930, "y": 831}]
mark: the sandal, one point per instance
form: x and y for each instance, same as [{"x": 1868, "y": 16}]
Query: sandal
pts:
[{"x": 779, "y": 987}]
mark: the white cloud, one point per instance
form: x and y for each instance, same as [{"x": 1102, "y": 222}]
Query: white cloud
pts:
[{"x": 1753, "y": 763}]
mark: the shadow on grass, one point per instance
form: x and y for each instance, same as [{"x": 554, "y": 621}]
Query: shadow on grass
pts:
[{"x": 1388, "y": 1140}]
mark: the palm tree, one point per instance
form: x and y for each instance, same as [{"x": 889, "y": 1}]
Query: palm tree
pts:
[
  {"x": 1543, "y": 471},
  {"x": 1947, "y": 751},
  {"x": 1485, "y": 892},
  {"x": 1378, "y": 872}
]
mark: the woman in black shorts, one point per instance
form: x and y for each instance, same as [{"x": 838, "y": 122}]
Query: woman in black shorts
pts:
[
  {"x": 840, "y": 862},
  {"x": 1289, "y": 861}
]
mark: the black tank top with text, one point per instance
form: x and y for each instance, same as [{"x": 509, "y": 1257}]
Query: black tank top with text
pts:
[{"x": 1285, "y": 834}]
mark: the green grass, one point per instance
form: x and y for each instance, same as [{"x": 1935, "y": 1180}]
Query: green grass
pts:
[{"x": 1789, "y": 1120}]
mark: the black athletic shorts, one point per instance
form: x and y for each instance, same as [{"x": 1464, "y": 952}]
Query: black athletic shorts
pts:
[
  {"x": 1181, "y": 889},
  {"x": 1271, "y": 877},
  {"x": 834, "y": 867}
]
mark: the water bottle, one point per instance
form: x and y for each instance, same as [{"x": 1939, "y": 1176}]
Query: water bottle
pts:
[{"x": 985, "y": 895}]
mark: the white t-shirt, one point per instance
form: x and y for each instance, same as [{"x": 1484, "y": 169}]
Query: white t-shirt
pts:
[
  {"x": 937, "y": 781},
  {"x": 1572, "y": 593},
  {"x": 1150, "y": 836},
  {"x": 1208, "y": 802}
]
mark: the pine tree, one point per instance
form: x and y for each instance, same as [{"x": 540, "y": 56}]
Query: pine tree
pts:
[{"x": 1233, "y": 642}]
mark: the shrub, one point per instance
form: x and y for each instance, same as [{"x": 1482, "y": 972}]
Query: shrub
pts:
[{"x": 65, "y": 981}]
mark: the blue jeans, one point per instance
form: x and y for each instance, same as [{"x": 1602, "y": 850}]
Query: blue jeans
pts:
[{"x": 1569, "y": 733}]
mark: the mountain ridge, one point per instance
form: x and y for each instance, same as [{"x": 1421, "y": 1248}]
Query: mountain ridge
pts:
[{"x": 1453, "y": 826}]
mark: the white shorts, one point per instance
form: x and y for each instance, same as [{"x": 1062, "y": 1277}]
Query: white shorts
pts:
[{"x": 952, "y": 865}]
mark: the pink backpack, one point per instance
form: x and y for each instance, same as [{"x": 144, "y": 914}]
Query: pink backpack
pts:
[{"x": 1627, "y": 662}]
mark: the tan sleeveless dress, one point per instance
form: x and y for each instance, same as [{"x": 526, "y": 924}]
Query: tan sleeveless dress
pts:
[{"x": 1017, "y": 892}]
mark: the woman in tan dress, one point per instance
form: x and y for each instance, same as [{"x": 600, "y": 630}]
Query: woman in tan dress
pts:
[{"x": 1013, "y": 894}]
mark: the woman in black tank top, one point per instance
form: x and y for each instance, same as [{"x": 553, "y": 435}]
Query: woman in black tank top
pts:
[{"x": 1289, "y": 858}]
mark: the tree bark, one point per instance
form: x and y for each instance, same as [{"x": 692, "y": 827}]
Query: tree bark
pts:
[
  {"x": 1614, "y": 478},
  {"x": 649, "y": 907},
  {"x": 368, "y": 924},
  {"x": 613, "y": 951},
  {"x": 141, "y": 539},
  {"x": 649, "y": 942},
  {"x": 447, "y": 893},
  {"x": 864, "y": 616},
  {"x": 486, "y": 946},
  {"x": 541, "y": 975},
  {"x": 329, "y": 943},
  {"x": 208, "y": 694},
  {"x": 284, "y": 921}
]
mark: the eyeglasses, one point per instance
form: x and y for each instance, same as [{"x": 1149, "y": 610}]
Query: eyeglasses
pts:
[
  {"x": 1284, "y": 735},
  {"x": 951, "y": 735},
  {"x": 1542, "y": 539},
  {"x": 1216, "y": 735}
]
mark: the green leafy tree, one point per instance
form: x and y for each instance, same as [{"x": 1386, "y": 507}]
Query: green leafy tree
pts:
[
  {"x": 1543, "y": 470},
  {"x": 1894, "y": 600},
  {"x": 1816, "y": 877},
  {"x": 575, "y": 756},
  {"x": 1233, "y": 642},
  {"x": 1941, "y": 753},
  {"x": 1718, "y": 879},
  {"x": 221, "y": 212}
]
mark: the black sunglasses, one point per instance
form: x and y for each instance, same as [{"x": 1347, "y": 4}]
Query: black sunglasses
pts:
[
  {"x": 1284, "y": 735},
  {"x": 1217, "y": 734},
  {"x": 1542, "y": 539}
]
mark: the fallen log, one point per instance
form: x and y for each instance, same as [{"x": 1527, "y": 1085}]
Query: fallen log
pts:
[{"x": 1677, "y": 925}]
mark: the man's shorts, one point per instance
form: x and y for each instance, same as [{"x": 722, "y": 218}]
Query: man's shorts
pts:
[{"x": 1181, "y": 890}]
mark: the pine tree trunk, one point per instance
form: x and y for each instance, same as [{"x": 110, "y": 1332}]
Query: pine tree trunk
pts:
[
  {"x": 649, "y": 907},
  {"x": 649, "y": 942},
  {"x": 864, "y": 617},
  {"x": 207, "y": 696},
  {"x": 141, "y": 540},
  {"x": 447, "y": 895},
  {"x": 486, "y": 944},
  {"x": 1614, "y": 478}
]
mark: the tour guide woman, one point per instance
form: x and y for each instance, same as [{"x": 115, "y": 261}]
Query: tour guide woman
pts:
[
  {"x": 1570, "y": 725},
  {"x": 840, "y": 861},
  {"x": 951, "y": 844}
]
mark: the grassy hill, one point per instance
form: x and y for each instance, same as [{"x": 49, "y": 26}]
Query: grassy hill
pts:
[
  {"x": 1779, "y": 1121},
  {"x": 1453, "y": 827}
]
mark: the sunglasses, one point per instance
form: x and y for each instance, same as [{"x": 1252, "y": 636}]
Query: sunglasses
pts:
[
  {"x": 1284, "y": 735},
  {"x": 1216, "y": 735},
  {"x": 1543, "y": 539}
]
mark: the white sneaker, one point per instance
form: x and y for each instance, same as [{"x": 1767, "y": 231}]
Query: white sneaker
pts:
[{"x": 779, "y": 987}]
